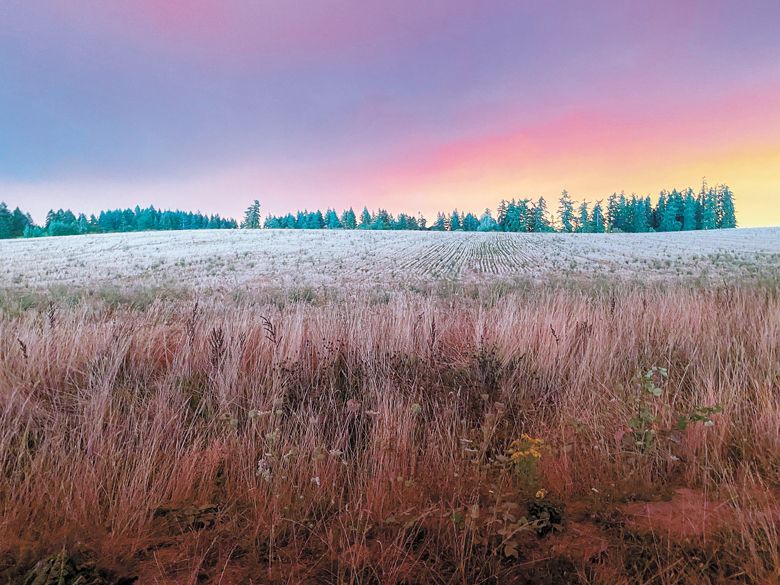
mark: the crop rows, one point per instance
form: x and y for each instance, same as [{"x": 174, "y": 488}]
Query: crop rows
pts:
[{"x": 208, "y": 259}]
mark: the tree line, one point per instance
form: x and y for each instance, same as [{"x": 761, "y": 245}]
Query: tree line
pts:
[
  {"x": 710, "y": 208},
  {"x": 63, "y": 222}
]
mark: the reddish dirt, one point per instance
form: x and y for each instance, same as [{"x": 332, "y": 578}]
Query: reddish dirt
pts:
[
  {"x": 688, "y": 515},
  {"x": 583, "y": 545}
]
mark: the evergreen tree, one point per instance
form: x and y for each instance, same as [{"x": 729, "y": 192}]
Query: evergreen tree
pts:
[
  {"x": 471, "y": 223},
  {"x": 525, "y": 214},
  {"x": 19, "y": 222},
  {"x": 440, "y": 224},
  {"x": 147, "y": 219},
  {"x": 83, "y": 224},
  {"x": 612, "y": 212},
  {"x": 583, "y": 223},
  {"x": 512, "y": 219},
  {"x": 541, "y": 223},
  {"x": 382, "y": 220},
  {"x": 668, "y": 221},
  {"x": 689, "y": 212},
  {"x": 332, "y": 221},
  {"x": 597, "y": 219},
  {"x": 455, "y": 221},
  {"x": 623, "y": 214},
  {"x": 566, "y": 212},
  {"x": 252, "y": 217},
  {"x": 660, "y": 211},
  {"x": 709, "y": 208},
  {"x": 348, "y": 219},
  {"x": 727, "y": 214},
  {"x": 639, "y": 219},
  {"x": 33, "y": 231},
  {"x": 365, "y": 219},
  {"x": 501, "y": 214},
  {"x": 487, "y": 223},
  {"x": 6, "y": 222},
  {"x": 401, "y": 222}
]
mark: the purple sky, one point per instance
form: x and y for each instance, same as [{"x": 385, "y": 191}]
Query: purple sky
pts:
[{"x": 406, "y": 105}]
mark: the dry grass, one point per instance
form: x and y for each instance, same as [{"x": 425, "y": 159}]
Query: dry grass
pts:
[{"x": 358, "y": 442}]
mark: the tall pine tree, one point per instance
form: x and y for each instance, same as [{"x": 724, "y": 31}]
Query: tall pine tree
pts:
[
  {"x": 252, "y": 217},
  {"x": 727, "y": 217},
  {"x": 566, "y": 212}
]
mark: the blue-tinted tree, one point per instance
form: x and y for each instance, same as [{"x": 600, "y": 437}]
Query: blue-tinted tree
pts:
[{"x": 566, "y": 212}]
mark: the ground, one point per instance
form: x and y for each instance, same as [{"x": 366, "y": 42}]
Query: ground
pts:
[
  {"x": 213, "y": 258},
  {"x": 331, "y": 407}
]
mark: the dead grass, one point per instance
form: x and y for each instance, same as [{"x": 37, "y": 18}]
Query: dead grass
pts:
[{"x": 366, "y": 442}]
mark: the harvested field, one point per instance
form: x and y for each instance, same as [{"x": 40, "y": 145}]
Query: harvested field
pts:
[{"x": 249, "y": 259}]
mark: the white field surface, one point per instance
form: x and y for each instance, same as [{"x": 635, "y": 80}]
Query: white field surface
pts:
[{"x": 212, "y": 259}]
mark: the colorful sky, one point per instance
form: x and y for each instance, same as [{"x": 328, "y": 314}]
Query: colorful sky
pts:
[{"x": 403, "y": 104}]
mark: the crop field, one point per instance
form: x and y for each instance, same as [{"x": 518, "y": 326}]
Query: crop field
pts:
[
  {"x": 214, "y": 259},
  {"x": 582, "y": 410}
]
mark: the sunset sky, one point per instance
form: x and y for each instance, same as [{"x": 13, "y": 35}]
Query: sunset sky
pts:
[{"x": 408, "y": 105}]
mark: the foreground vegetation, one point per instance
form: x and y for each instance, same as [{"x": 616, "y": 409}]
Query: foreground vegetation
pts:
[{"x": 550, "y": 435}]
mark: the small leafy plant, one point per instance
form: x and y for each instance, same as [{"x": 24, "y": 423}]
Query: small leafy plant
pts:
[
  {"x": 643, "y": 424},
  {"x": 700, "y": 414},
  {"x": 644, "y": 429}
]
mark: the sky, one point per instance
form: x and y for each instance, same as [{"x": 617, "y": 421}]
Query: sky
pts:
[{"x": 407, "y": 105}]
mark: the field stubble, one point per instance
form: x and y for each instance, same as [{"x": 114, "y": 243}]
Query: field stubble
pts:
[{"x": 246, "y": 259}]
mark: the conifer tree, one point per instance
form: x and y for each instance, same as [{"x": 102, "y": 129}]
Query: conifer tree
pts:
[
  {"x": 668, "y": 221},
  {"x": 513, "y": 218},
  {"x": 709, "y": 207},
  {"x": 639, "y": 221},
  {"x": 541, "y": 223},
  {"x": 727, "y": 215},
  {"x": 252, "y": 217},
  {"x": 566, "y": 212},
  {"x": 583, "y": 223},
  {"x": 597, "y": 219},
  {"x": 660, "y": 211},
  {"x": 611, "y": 219},
  {"x": 622, "y": 219},
  {"x": 348, "y": 219},
  {"x": 6, "y": 220},
  {"x": 471, "y": 223},
  {"x": 365, "y": 219},
  {"x": 332, "y": 221},
  {"x": 19, "y": 222},
  {"x": 501, "y": 214},
  {"x": 487, "y": 223},
  {"x": 689, "y": 211},
  {"x": 455, "y": 221}
]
